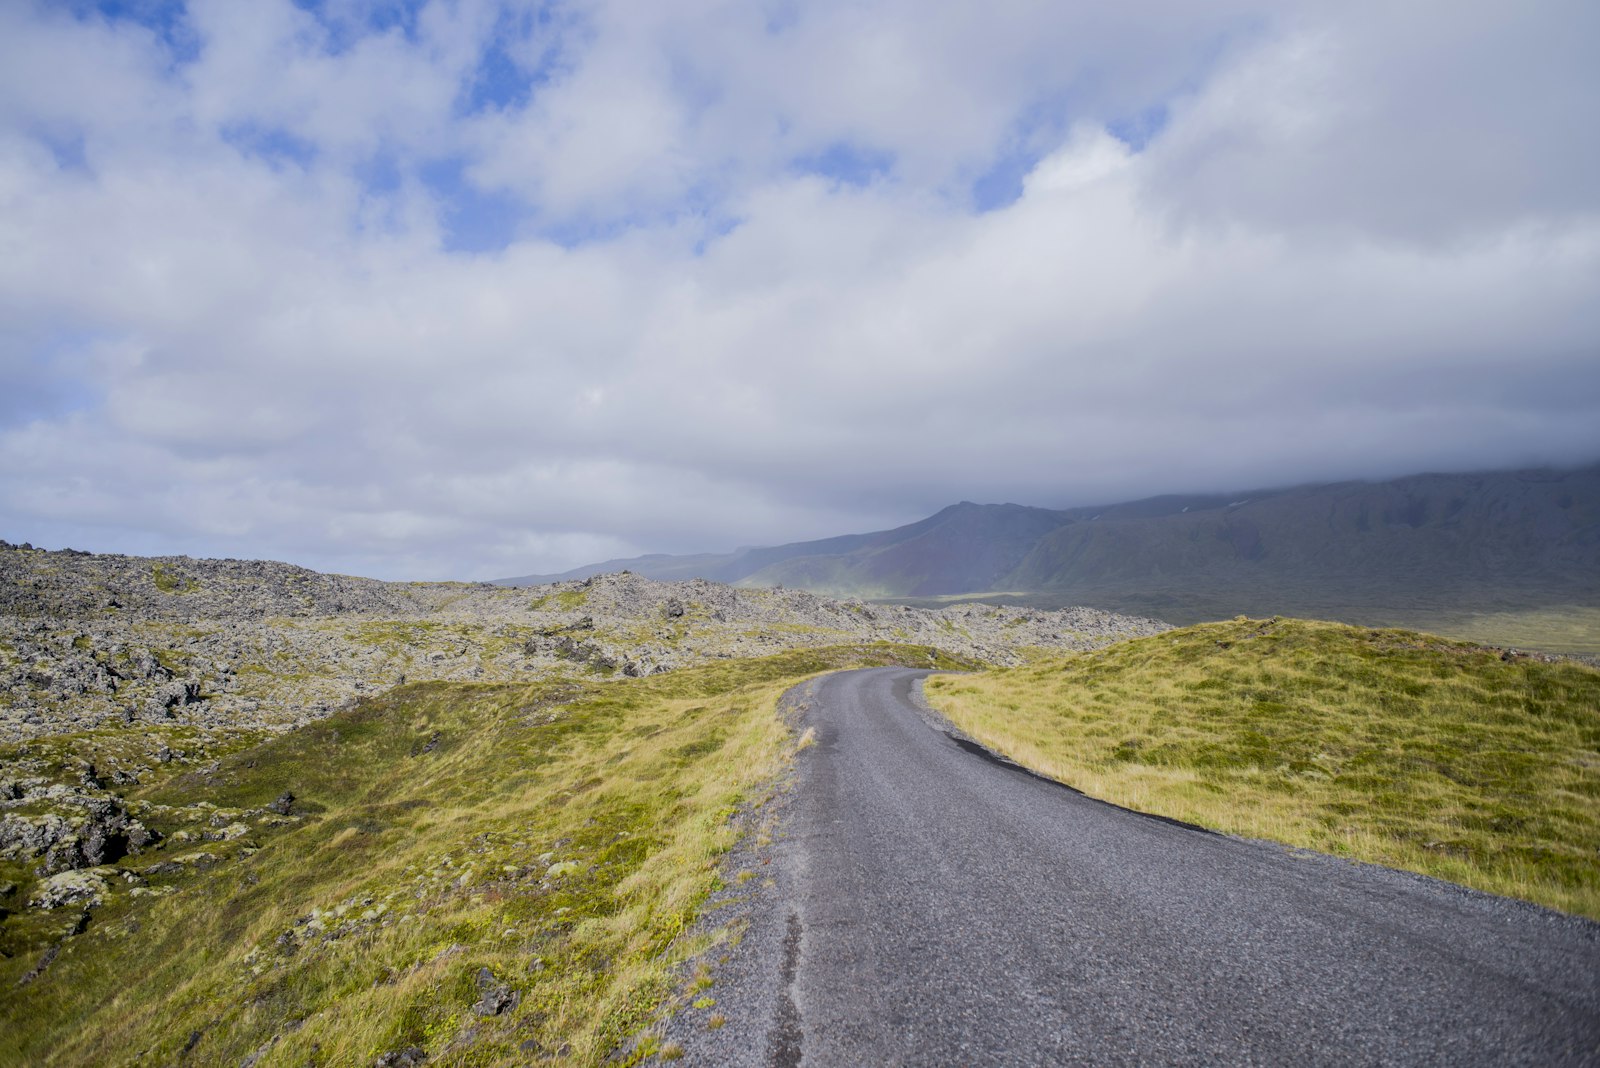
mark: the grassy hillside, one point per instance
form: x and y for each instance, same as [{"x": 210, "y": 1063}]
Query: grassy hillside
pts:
[
  {"x": 1556, "y": 626},
  {"x": 1381, "y": 745},
  {"x": 484, "y": 873},
  {"x": 1572, "y": 629}
]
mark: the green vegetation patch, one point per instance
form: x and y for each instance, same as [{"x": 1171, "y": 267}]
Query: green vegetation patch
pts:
[
  {"x": 168, "y": 580},
  {"x": 565, "y": 601},
  {"x": 1382, "y": 745},
  {"x": 490, "y": 874},
  {"x": 1561, "y": 628}
]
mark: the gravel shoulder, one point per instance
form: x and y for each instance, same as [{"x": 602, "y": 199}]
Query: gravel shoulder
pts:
[{"x": 751, "y": 965}]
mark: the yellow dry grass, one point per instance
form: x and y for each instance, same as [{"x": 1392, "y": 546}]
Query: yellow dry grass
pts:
[
  {"x": 1380, "y": 745},
  {"x": 561, "y": 835}
]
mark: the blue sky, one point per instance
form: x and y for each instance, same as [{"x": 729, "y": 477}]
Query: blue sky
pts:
[{"x": 471, "y": 287}]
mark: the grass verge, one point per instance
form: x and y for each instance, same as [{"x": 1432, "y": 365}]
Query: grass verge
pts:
[
  {"x": 487, "y": 874},
  {"x": 1570, "y": 629},
  {"x": 1380, "y": 745}
]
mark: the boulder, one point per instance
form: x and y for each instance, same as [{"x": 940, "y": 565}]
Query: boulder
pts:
[
  {"x": 106, "y": 836},
  {"x": 495, "y": 997},
  {"x": 23, "y": 837},
  {"x": 70, "y": 888}
]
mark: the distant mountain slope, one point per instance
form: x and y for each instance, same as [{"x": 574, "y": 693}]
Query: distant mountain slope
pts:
[
  {"x": 1427, "y": 544},
  {"x": 962, "y": 548},
  {"x": 1454, "y": 530},
  {"x": 1486, "y": 541},
  {"x": 659, "y": 566}
]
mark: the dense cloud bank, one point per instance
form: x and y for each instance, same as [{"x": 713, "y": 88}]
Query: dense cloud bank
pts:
[{"x": 479, "y": 289}]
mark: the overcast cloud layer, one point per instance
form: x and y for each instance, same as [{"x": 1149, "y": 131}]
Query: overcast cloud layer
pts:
[{"x": 473, "y": 289}]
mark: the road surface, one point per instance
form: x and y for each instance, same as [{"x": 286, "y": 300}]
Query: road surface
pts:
[{"x": 945, "y": 908}]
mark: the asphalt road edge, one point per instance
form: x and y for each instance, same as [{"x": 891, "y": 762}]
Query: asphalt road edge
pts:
[{"x": 751, "y": 1021}]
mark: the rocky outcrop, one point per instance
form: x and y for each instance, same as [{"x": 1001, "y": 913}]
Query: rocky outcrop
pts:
[
  {"x": 72, "y": 584},
  {"x": 84, "y": 888},
  {"x": 494, "y": 997},
  {"x": 90, "y": 642},
  {"x": 25, "y": 837},
  {"x": 102, "y": 833}
]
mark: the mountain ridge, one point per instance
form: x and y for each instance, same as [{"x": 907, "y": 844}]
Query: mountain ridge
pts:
[{"x": 1484, "y": 541}]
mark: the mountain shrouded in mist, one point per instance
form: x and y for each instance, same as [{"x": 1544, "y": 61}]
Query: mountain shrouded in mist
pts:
[{"x": 1489, "y": 539}]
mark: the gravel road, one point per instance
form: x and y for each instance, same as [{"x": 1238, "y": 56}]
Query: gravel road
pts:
[{"x": 932, "y": 905}]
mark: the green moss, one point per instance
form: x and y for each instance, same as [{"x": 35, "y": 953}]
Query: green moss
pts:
[
  {"x": 565, "y": 601},
  {"x": 168, "y": 580}
]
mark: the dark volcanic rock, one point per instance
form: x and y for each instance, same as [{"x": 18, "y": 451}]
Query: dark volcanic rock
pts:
[
  {"x": 107, "y": 835},
  {"x": 23, "y": 838},
  {"x": 495, "y": 997}
]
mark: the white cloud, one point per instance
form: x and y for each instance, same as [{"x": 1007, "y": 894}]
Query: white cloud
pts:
[{"x": 1364, "y": 240}]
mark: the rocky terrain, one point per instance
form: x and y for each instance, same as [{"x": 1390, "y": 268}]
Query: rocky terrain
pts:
[
  {"x": 91, "y": 641},
  {"x": 119, "y": 670}
]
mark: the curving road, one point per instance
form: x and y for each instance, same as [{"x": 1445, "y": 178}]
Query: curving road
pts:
[{"x": 944, "y": 907}]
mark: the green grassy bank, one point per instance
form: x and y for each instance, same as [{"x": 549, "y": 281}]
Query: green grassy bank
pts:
[
  {"x": 488, "y": 874},
  {"x": 1380, "y": 745}
]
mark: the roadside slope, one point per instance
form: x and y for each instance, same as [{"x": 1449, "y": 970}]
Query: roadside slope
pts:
[{"x": 1382, "y": 745}]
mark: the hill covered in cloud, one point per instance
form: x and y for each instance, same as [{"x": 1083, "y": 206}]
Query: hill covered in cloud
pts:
[{"x": 1487, "y": 541}]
